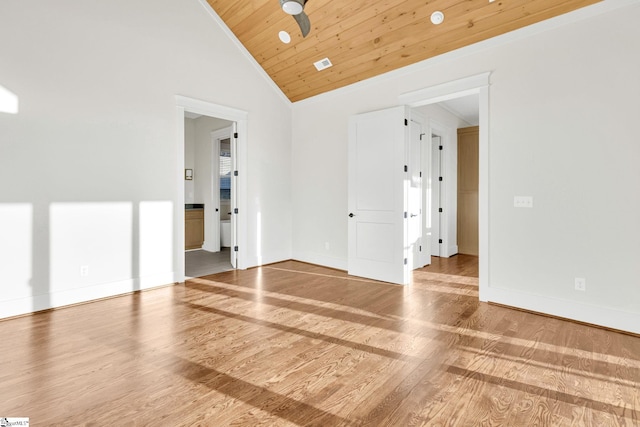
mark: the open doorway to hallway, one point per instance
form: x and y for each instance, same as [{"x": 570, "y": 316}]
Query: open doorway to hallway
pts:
[
  {"x": 452, "y": 218},
  {"x": 476, "y": 86}
]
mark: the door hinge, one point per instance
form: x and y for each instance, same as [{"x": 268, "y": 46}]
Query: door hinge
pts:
[
  {"x": 406, "y": 122},
  {"x": 406, "y": 169},
  {"x": 439, "y": 178},
  {"x": 439, "y": 240},
  {"x": 235, "y": 211},
  {"x": 440, "y": 210},
  {"x": 235, "y": 249},
  {"x": 405, "y": 261},
  {"x": 235, "y": 173},
  {"x": 440, "y": 147},
  {"x": 405, "y": 215},
  {"x": 420, "y": 174},
  {"x": 235, "y": 135},
  {"x": 420, "y": 248}
]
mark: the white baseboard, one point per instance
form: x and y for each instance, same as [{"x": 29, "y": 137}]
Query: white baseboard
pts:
[
  {"x": 569, "y": 309},
  {"x": 452, "y": 250},
  {"x": 16, "y": 307},
  {"x": 267, "y": 258},
  {"x": 320, "y": 259},
  {"x": 208, "y": 246}
]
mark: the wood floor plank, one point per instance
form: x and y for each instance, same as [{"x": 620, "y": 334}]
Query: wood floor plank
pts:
[{"x": 297, "y": 344}]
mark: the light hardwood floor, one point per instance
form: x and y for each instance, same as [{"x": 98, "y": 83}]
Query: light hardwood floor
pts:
[{"x": 297, "y": 344}]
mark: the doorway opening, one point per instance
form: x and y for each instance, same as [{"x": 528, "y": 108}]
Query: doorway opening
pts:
[
  {"x": 213, "y": 218},
  {"x": 450, "y": 99},
  {"x": 208, "y": 203},
  {"x": 444, "y": 218}
]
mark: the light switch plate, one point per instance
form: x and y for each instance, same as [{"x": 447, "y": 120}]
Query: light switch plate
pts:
[{"x": 523, "y": 201}]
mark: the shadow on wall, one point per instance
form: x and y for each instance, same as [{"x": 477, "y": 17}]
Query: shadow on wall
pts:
[{"x": 59, "y": 253}]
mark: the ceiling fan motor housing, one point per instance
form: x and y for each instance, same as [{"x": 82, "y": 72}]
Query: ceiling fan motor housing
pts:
[
  {"x": 296, "y": 9},
  {"x": 292, "y": 7}
]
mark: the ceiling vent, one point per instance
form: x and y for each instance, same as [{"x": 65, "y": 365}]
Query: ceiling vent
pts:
[{"x": 322, "y": 64}]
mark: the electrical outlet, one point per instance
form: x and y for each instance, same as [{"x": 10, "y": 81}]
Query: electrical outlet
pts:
[
  {"x": 84, "y": 271},
  {"x": 581, "y": 284},
  {"x": 523, "y": 201}
]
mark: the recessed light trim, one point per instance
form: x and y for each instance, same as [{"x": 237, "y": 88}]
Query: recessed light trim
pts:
[
  {"x": 437, "y": 17},
  {"x": 284, "y": 37}
]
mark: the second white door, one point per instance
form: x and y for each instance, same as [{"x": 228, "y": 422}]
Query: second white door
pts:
[{"x": 378, "y": 188}]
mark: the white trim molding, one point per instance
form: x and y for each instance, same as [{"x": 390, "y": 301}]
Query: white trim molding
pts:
[
  {"x": 445, "y": 91},
  {"x": 574, "y": 310},
  {"x": 209, "y": 109}
]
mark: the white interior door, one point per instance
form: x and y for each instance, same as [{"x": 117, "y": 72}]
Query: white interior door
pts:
[
  {"x": 234, "y": 195},
  {"x": 214, "y": 245},
  {"x": 427, "y": 192},
  {"x": 415, "y": 240},
  {"x": 436, "y": 194},
  {"x": 378, "y": 193}
]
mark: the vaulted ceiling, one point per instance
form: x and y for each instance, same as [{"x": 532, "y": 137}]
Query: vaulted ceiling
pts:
[{"x": 365, "y": 38}]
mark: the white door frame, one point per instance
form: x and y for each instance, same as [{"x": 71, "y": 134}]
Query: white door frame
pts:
[
  {"x": 455, "y": 89},
  {"x": 233, "y": 140},
  {"x": 226, "y": 113}
]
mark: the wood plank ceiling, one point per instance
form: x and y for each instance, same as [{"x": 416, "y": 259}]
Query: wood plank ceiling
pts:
[{"x": 365, "y": 38}]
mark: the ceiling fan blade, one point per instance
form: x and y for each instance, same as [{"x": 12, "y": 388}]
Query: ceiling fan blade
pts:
[{"x": 303, "y": 21}]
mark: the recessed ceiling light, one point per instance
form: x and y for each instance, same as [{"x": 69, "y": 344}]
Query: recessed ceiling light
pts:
[
  {"x": 437, "y": 17},
  {"x": 284, "y": 37}
]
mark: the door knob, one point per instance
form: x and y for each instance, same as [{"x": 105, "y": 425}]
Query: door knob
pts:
[{"x": 351, "y": 215}]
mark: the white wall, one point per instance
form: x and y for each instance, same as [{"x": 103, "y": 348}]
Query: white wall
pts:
[
  {"x": 89, "y": 165},
  {"x": 562, "y": 128}
]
